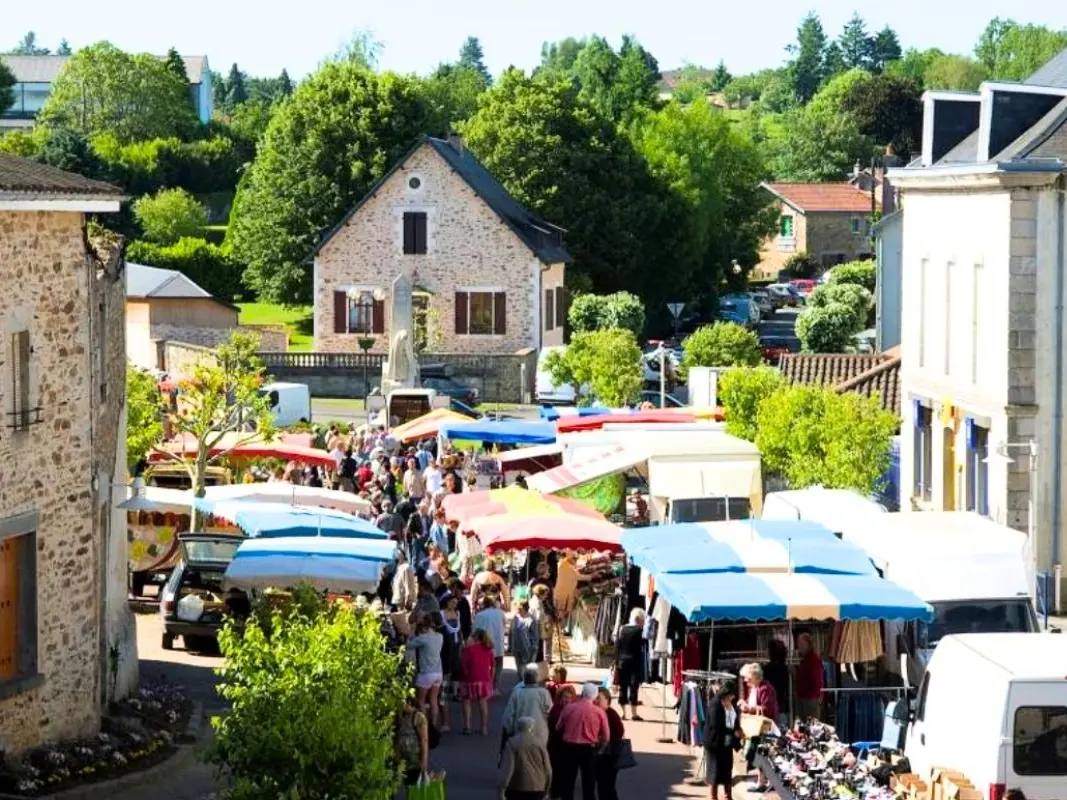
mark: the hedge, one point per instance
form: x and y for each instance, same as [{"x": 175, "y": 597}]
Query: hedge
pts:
[{"x": 208, "y": 265}]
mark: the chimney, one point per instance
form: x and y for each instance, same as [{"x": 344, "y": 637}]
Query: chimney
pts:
[
  {"x": 889, "y": 195},
  {"x": 456, "y": 140}
]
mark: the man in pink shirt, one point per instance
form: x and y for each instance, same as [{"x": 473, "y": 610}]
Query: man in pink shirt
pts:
[{"x": 583, "y": 728}]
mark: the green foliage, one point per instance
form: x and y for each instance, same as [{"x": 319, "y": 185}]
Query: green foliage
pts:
[
  {"x": 819, "y": 437},
  {"x": 454, "y": 92},
  {"x": 175, "y": 64},
  {"x": 594, "y": 312},
  {"x": 557, "y": 58},
  {"x": 607, "y": 361},
  {"x": 1012, "y": 52},
  {"x": 471, "y": 57},
  {"x": 913, "y": 64},
  {"x": 24, "y": 144},
  {"x": 888, "y": 111},
  {"x": 721, "y": 344},
  {"x": 324, "y": 148},
  {"x": 210, "y": 266},
  {"x": 721, "y": 77},
  {"x": 313, "y": 699},
  {"x": 249, "y": 120},
  {"x": 819, "y": 147},
  {"x": 102, "y": 89},
  {"x": 857, "y": 47},
  {"x": 885, "y": 49},
  {"x": 851, "y": 295},
  {"x": 69, "y": 150},
  {"x": 861, "y": 273},
  {"x": 827, "y": 328},
  {"x": 802, "y": 265},
  {"x": 958, "y": 73},
  {"x": 361, "y": 50},
  {"x": 64, "y": 48},
  {"x": 201, "y": 167},
  {"x": 741, "y": 393},
  {"x": 27, "y": 46},
  {"x": 144, "y": 421},
  {"x": 169, "y": 215},
  {"x": 7, "y": 80},
  {"x": 236, "y": 92},
  {"x": 806, "y": 66}
]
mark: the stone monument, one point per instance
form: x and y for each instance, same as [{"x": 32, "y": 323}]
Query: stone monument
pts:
[{"x": 401, "y": 369}]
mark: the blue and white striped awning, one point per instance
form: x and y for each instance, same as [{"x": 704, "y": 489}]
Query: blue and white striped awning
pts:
[
  {"x": 686, "y": 534},
  {"x": 326, "y": 563},
  {"x": 281, "y": 519},
  {"x": 757, "y": 556}
]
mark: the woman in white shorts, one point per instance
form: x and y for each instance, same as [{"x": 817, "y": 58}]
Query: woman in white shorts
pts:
[{"x": 425, "y": 649}]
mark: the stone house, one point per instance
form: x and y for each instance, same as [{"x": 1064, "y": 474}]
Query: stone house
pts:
[
  {"x": 982, "y": 321},
  {"x": 488, "y": 275},
  {"x": 829, "y": 221},
  {"x": 62, "y": 450}
]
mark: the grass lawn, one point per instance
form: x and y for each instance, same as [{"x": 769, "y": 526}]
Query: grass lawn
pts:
[{"x": 298, "y": 320}]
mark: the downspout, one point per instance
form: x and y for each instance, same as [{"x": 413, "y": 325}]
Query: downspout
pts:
[{"x": 1057, "y": 412}]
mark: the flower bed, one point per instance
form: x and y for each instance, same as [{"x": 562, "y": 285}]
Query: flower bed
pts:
[{"x": 140, "y": 733}]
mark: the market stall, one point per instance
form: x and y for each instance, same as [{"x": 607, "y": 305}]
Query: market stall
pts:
[
  {"x": 238, "y": 445},
  {"x": 427, "y": 425},
  {"x": 292, "y": 494},
  {"x": 530, "y": 459},
  {"x": 325, "y": 563},
  {"x": 512, "y": 499},
  {"x": 496, "y": 431},
  {"x": 267, "y": 520}
]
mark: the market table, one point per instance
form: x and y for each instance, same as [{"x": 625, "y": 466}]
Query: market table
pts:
[{"x": 770, "y": 772}]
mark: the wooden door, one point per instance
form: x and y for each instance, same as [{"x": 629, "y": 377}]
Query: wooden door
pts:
[
  {"x": 9, "y": 608},
  {"x": 948, "y": 473}
]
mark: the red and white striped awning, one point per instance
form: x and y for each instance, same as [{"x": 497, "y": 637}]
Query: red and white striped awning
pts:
[{"x": 607, "y": 462}]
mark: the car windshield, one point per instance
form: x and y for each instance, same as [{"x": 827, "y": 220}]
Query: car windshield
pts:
[
  {"x": 977, "y": 616},
  {"x": 210, "y": 551}
]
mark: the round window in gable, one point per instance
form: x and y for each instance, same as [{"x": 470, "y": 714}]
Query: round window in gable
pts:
[{"x": 414, "y": 182}]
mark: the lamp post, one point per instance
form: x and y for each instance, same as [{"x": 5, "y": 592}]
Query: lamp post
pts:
[{"x": 365, "y": 343}]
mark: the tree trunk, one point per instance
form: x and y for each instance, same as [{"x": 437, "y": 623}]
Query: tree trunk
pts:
[{"x": 199, "y": 471}]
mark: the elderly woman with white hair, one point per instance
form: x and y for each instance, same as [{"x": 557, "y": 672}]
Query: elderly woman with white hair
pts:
[
  {"x": 630, "y": 662},
  {"x": 527, "y": 772}
]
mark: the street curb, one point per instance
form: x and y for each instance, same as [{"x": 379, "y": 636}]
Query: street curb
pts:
[{"x": 186, "y": 753}]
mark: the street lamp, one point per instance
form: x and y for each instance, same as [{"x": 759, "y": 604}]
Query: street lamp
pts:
[
  {"x": 365, "y": 343},
  {"x": 736, "y": 267}
]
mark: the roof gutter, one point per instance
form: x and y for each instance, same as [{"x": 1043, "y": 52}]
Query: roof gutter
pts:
[
  {"x": 1057, "y": 413},
  {"x": 1014, "y": 167}
]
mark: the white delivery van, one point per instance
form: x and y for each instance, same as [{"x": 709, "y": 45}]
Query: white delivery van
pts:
[
  {"x": 994, "y": 708},
  {"x": 290, "y": 403},
  {"x": 973, "y": 571},
  {"x": 545, "y": 390},
  {"x": 834, "y": 509}
]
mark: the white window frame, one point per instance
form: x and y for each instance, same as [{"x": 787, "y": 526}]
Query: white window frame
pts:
[{"x": 482, "y": 290}]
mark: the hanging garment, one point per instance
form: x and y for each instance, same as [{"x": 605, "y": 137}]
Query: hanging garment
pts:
[
  {"x": 662, "y": 612},
  {"x": 861, "y": 641}
]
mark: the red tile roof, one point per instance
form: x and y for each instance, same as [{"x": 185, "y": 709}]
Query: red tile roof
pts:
[
  {"x": 823, "y": 196},
  {"x": 874, "y": 375}
]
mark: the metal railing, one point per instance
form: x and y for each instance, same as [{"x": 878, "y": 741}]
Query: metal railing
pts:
[{"x": 322, "y": 360}]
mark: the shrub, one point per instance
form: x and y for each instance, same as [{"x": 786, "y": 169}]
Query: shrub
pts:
[
  {"x": 827, "y": 329},
  {"x": 741, "y": 393},
  {"x": 210, "y": 266},
  {"x": 200, "y": 167},
  {"x": 860, "y": 273},
  {"x": 313, "y": 700},
  {"x": 848, "y": 294},
  {"x": 596, "y": 312},
  {"x": 169, "y": 215},
  {"x": 607, "y": 361},
  {"x": 721, "y": 344}
]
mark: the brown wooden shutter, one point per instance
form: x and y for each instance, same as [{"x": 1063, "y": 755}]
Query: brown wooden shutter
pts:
[
  {"x": 9, "y": 608},
  {"x": 461, "y": 312},
  {"x": 409, "y": 233},
  {"x": 340, "y": 312},
  {"x": 550, "y": 322},
  {"x": 561, "y": 307},
  {"x": 377, "y": 323},
  {"x": 500, "y": 320},
  {"x": 419, "y": 233}
]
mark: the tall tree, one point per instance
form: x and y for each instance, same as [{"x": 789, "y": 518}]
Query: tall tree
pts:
[
  {"x": 808, "y": 54},
  {"x": 134, "y": 97},
  {"x": 855, "y": 43},
  {"x": 27, "y": 46},
  {"x": 7, "y": 80},
  {"x": 312, "y": 166},
  {"x": 596, "y": 68},
  {"x": 959, "y": 73},
  {"x": 176, "y": 65},
  {"x": 1013, "y": 52},
  {"x": 988, "y": 48},
  {"x": 833, "y": 63},
  {"x": 558, "y": 57},
  {"x": 285, "y": 84},
  {"x": 913, "y": 64},
  {"x": 64, "y": 48},
  {"x": 455, "y": 91},
  {"x": 885, "y": 49},
  {"x": 471, "y": 55},
  {"x": 888, "y": 110},
  {"x": 236, "y": 91},
  {"x": 720, "y": 77},
  {"x": 637, "y": 83},
  {"x": 361, "y": 49}
]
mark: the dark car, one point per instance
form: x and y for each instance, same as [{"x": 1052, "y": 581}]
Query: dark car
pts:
[
  {"x": 462, "y": 408},
  {"x": 465, "y": 394},
  {"x": 773, "y": 349},
  {"x": 199, "y": 574}
]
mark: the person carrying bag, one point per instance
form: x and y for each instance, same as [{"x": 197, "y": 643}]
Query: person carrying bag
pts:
[{"x": 430, "y": 786}]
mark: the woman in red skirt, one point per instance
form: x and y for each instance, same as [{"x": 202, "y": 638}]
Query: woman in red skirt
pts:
[{"x": 477, "y": 684}]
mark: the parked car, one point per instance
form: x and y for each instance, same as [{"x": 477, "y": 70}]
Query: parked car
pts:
[
  {"x": 804, "y": 286},
  {"x": 650, "y": 362},
  {"x": 729, "y": 311},
  {"x": 785, "y": 294},
  {"x": 747, "y": 304},
  {"x": 775, "y": 347},
  {"x": 764, "y": 302},
  {"x": 290, "y": 403},
  {"x": 467, "y": 395},
  {"x": 192, "y": 603}
]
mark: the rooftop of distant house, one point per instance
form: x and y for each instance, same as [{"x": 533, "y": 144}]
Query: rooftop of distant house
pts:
[
  {"x": 45, "y": 69},
  {"x": 815, "y": 197},
  {"x": 22, "y": 179}
]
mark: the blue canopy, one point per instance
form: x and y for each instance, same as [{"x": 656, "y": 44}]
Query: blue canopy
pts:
[
  {"x": 504, "y": 431},
  {"x": 552, "y": 413},
  {"x": 323, "y": 562},
  {"x": 760, "y": 555},
  {"x": 696, "y": 533},
  {"x": 776, "y": 596},
  {"x": 281, "y": 519}
]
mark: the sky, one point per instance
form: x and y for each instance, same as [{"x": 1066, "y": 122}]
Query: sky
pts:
[{"x": 263, "y": 36}]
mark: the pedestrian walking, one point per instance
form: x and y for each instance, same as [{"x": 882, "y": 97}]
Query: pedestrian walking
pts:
[
  {"x": 527, "y": 771},
  {"x": 584, "y": 729},
  {"x": 524, "y": 638},
  {"x": 630, "y": 662},
  {"x": 607, "y": 769},
  {"x": 530, "y": 700},
  {"x": 492, "y": 620},
  {"x": 424, "y": 648},
  {"x": 563, "y": 697},
  {"x": 722, "y": 739},
  {"x": 477, "y": 686}
]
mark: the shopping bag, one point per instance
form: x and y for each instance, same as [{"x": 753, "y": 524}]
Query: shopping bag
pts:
[
  {"x": 624, "y": 755},
  {"x": 429, "y": 787}
]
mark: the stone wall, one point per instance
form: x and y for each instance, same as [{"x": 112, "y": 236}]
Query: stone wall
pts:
[
  {"x": 48, "y": 470},
  {"x": 831, "y": 232},
  {"x": 272, "y": 338},
  {"x": 469, "y": 247},
  {"x": 179, "y": 358}
]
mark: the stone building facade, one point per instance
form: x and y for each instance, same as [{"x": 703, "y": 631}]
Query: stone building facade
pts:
[
  {"x": 829, "y": 221},
  {"x": 62, "y": 447},
  {"x": 488, "y": 275}
]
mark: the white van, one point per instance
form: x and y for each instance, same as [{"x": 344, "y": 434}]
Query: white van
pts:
[
  {"x": 545, "y": 390},
  {"x": 834, "y": 509},
  {"x": 290, "y": 403},
  {"x": 994, "y": 708}
]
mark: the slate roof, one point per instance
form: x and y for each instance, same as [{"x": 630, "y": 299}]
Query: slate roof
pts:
[
  {"x": 543, "y": 238},
  {"x": 874, "y": 375},
  {"x": 809, "y": 197},
  {"x": 147, "y": 282},
  {"x": 22, "y": 179},
  {"x": 45, "y": 69},
  {"x": 1053, "y": 73}
]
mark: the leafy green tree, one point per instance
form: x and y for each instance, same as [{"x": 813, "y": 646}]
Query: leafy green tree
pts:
[
  {"x": 454, "y": 92},
  {"x": 637, "y": 80},
  {"x": 720, "y": 77},
  {"x": 607, "y": 361},
  {"x": 596, "y": 69},
  {"x": 472, "y": 57},
  {"x": 802, "y": 265},
  {"x": 27, "y": 46},
  {"x": 857, "y": 46},
  {"x": 324, "y": 148},
  {"x": 69, "y": 150},
  {"x": 777, "y": 95},
  {"x": 594, "y": 312},
  {"x": 557, "y": 58},
  {"x": 885, "y": 49},
  {"x": 819, "y": 147},
  {"x": 249, "y": 121},
  {"x": 819, "y": 437},
  {"x": 988, "y": 48},
  {"x": 169, "y": 215},
  {"x": 236, "y": 92},
  {"x": 855, "y": 297},
  {"x": 101, "y": 89},
  {"x": 861, "y": 273},
  {"x": 913, "y": 64},
  {"x": 285, "y": 84},
  {"x": 64, "y": 48},
  {"x": 806, "y": 66},
  {"x": 1012, "y": 52},
  {"x": 361, "y": 50},
  {"x": 24, "y": 144},
  {"x": 833, "y": 63},
  {"x": 741, "y": 392},
  {"x": 144, "y": 415},
  {"x": 7, "y": 80},
  {"x": 208, "y": 265},
  {"x": 958, "y": 73},
  {"x": 721, "y": 344},
  {"x": 176, "y": 65},
  {"x": 888, "y": 110},
  {"x": 313, "y": 698},
  {"x": 827, "y": 328}
]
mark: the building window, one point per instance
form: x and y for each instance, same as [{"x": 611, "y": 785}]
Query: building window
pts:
[
  {"x": 414, "y": 233},
  {"x": 481, "y": 312},
  {"x": 977, "y": 469},
  {"x": 785, "y": 226},
  {"x": 18, "y": 598},
  {"x": 550, "y": 309},
  {"x": 20, "y": 381},
  {"x": 414, "y": 182},
  {"x": 858, "y": 226},
  {"x": 561, "y": 307},
  {"x": 361, "y": 311},
  {"x": 923, "y": 466}
]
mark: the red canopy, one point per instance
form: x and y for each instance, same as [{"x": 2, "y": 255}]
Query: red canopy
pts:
[
  {"x": 237, "y": 445},
  {"x": 554, "y": 532},
  {"x": 492, "y": 508},
  {"x": 597, "y": 421}
]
